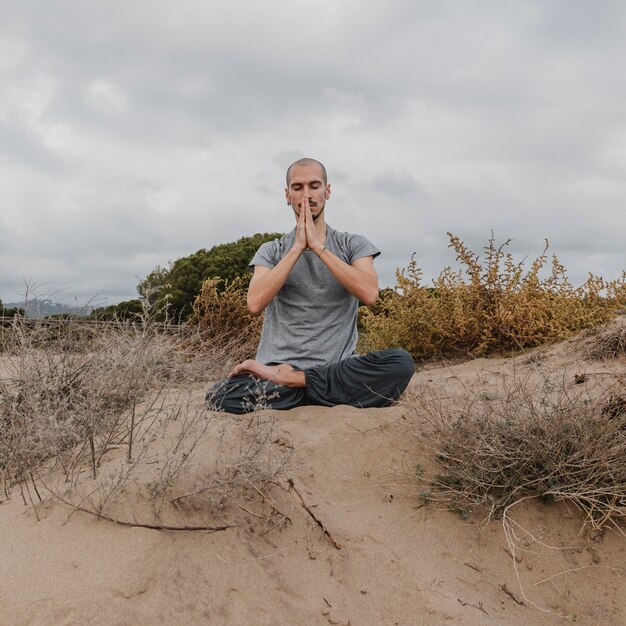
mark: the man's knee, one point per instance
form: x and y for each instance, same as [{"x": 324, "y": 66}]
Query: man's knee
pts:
[
  {"x": 405, "y": 366},
  {"x": 398, "y": 362},
  {"x": 220, "y": 397},
  {"x": 244, "y": 394}
]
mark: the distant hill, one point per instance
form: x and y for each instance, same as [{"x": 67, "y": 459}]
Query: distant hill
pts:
[{"x": 42, "y": 308}]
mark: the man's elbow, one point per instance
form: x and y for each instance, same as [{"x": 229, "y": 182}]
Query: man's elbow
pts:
[
  {"x": 255, "y": 306},
  {"x": 369, "y": 297}
]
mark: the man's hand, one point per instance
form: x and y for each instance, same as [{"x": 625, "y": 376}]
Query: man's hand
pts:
[
  {"x": 312, "y": 238},
  {"x": 282, "y": 374},
  {"x": 266, "y": 282},
  {"x": 300, "y": 243}
]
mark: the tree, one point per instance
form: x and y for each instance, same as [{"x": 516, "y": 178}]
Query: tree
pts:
[
  {"x": 153, "y": 286},
  {"x": 172, "y": 291},
  {"x": 11, "y": 312},
  {"x": 128, "y": 310}
]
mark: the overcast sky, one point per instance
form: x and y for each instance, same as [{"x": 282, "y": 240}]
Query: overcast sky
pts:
[{"x": 136, "y": 132}]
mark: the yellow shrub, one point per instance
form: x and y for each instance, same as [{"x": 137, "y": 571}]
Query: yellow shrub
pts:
[
  {"x": 496, "y": 306},
  {"x": 223, "y": 315}
]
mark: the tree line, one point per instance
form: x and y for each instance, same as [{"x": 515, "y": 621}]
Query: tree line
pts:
[
  {"x": 168, "y": 293},
  {"x": 10, "y": 312}
]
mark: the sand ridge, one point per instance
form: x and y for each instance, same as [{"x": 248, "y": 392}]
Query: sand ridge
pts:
[{"x": 400, "y": 560}]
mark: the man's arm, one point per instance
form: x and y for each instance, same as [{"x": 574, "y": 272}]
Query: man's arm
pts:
[
  {"x": 267, "y": 282},
  {"x": 283, "y": 374},
  {"x": 360, "y": 278}
]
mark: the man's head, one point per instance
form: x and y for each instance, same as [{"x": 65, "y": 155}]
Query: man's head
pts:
[
  {"x": 307, "y": 161},
  {"x": 307, "y": 178}
]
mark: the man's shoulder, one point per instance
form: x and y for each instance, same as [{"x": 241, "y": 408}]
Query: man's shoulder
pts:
[
  {"x": 280, "y": 245},
  {"x": 338, "y": 235},
  {"x": 279, "y": 240},
  {"x": 352, "y": 242},
  {"x": 270, "y": 252}
]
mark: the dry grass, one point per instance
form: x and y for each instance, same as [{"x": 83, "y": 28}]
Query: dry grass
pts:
[
  {"x": 607, "y": 342},
  {"x": 487, "y": 305},
  {"x": 107, "y": 422},
  {"x": 222, "y": 317},
  {"x": 549, "y": 443}
]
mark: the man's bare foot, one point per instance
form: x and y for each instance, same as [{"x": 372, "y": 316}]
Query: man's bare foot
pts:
[{"x": 282, "y": 374}]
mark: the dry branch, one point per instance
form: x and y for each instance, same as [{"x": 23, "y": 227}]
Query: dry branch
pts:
[{"x": 316, "y": 519}]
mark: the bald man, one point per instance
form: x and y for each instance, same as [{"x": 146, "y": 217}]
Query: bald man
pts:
[{"x": 309, "y": 283}]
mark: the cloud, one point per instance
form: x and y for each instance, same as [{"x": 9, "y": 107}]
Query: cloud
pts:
[{"x": 134, "y": 133}]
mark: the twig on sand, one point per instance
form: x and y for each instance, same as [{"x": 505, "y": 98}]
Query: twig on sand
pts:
[
  {"x": 108, "y": 518},
  {"x": 153, "y": 526},
  {"x": 511, "y": 594},
  {"x": 269, "y": 556},
  {"x": 471, "y": 566},
  {"x": 35, "y": 487},
  {"x": 292, "y": 486},
  {"x": 31, "y": 500},
  {"x": 577, "y": 569},
  {"x": 478, "y": 606}
]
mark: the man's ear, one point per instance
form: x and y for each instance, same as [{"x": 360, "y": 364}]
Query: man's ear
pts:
[
  {"x": 288, "y": 197},
  {"x": 327, "y": 191}
]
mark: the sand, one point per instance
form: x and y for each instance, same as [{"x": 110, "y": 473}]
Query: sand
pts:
[{"x": 396, "y": 560}]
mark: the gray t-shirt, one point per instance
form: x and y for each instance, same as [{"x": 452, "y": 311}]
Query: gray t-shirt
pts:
[{"x": 312, "y": 319}]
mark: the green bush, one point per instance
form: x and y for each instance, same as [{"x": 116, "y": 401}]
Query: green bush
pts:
[
  {"x": 127, "y": 310},
  {"x": 171, "y": 292}
]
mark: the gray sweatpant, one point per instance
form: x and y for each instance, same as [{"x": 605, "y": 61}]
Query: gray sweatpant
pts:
[{"x": 375, "y": 379}]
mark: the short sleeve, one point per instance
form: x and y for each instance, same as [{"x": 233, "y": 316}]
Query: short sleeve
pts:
[
  {"x": 266, "y": 255},
  {"x": 360, "y": 246}
]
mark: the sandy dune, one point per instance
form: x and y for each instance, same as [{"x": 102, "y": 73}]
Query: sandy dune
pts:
[{"x": 397, "y": 561}]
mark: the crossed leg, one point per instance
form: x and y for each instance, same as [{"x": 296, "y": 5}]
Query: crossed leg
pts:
[
  {"x": 244, "y": 393},
  {"x": 375, "y": 379}
]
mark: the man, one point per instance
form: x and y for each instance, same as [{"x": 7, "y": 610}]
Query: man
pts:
[{"x": 309, "y": 283}]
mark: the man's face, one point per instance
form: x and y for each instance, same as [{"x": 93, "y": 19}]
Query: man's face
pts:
[{"x": 306, "y": 181}]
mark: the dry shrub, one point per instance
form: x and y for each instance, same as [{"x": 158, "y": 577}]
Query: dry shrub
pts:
[
  {"x": 56, "y": 395},
  {"x": 5, "y": 334},
  {"x": 547, "y": 444},
  {"x": 247, "y": 465},
  {"x": 489, "y": 305},
  {"x": 64, "y": 335},
  {"x": 186, "y": 469},
  {"x": 223, "y": 317},
  {"x": 109, "y": 424},
  {"x": 607, "y": 342}
]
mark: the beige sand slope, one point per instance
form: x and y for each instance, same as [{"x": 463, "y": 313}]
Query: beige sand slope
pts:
[{"x": 396, "y": 560}]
